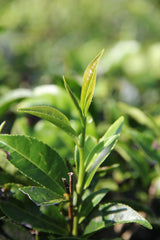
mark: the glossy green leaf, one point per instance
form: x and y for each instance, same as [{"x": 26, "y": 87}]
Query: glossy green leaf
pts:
[
  {"x": 36, "y": 160},
  {"x": 115, "y": 128},
  {"x": 89, "y": 81},
  {"x": 99, "y": 153},
  {"x": 73, "y": 97},
  {"x": 114, "y": 213},
  {"x": 52, "y": 115},
  {"x": 90, "y": 202},
  {"x": 97, "y": 156},
  {"x": 22, "y": 215},
  {"x": 42, "y": 196}
]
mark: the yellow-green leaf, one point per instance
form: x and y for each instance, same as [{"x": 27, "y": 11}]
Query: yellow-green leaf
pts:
[{"x": 89, "y": 81}]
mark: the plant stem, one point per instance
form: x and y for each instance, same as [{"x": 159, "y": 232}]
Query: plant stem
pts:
[
  {"x": 79, "y": 187},
  {"x": 70, "y": 204},
  {"x": 37, "y": 236},
  {"x": 81, "y": 163}
]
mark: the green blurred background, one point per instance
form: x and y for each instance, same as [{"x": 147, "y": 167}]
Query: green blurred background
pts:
[{"x": 41, "y": 39}]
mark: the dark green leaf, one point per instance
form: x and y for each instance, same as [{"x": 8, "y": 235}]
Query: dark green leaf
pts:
[
  {"x": 54, "y": 213},
  {"x": 21, "y": 215},
  {"x": 42, "y": 196},
  {"x": 36, "y": 160},
  {"x": 90, "y": 202},
  {"x": 89, "y": 81},
  {"x": 114, "y": 213},
  {"x": 52, "y": 115}
]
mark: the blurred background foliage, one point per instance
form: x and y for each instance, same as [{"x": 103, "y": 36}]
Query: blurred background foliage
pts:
[{"x": 40, "y": 41}]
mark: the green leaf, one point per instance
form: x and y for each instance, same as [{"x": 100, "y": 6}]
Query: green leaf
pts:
[
  {"x": 97, "y": 156},
  {"x": 55, "y": 214},
  {"x": 22, "y": 215},
  {"x": 89, "y": 144},
  {"x": 36, "y": 160},
  {"x": 99, "y": 153},
  {"x": 114, "y": 213},
  {"x": 6, "y": 165},
  {"x": 1, "y": 126},
  {"x": 52, "y": 115},
  {"x": 115, "y": 128},
  {"x": 42, "y": 196},
  {"x": 89, "y": 81},
  {"x": 90, "y": 202},
  {"x": 73, "y": 97}
]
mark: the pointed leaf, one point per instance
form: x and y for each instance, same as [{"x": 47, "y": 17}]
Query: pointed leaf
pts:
[
  {"x": 36, "y": 160},
  {"x": 90, "y": 202},
  {"x": 114, "y": 213},
  {"x": 89, "y": 81},
  {"x": 97, "y": 156},
  {"x": 73, "y": 97},
  {"x": 42, "y": 196},
  {"x": 115, "y": 128},
  {"x": 21, "y": 215},
  {"x": 52, "y": 115},
  {"x": 1, "y": 126}
]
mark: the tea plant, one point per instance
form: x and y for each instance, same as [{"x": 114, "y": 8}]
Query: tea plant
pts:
[{"x": 55, "y": 187}]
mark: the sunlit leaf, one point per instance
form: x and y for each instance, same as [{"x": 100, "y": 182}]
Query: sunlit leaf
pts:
[
  {"x": 52, "y": 115},
  {"x": 97, "y": 156},
  {"x": 114, "y": 213},
  {"x": 115, "y": 128},
  {"x": 1, "y": 126},
  {"x": 99, "y": 153},
  {"x": 89, "y": 81}
]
